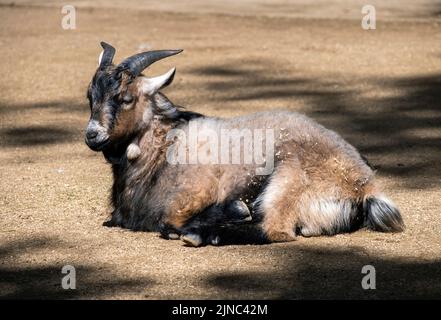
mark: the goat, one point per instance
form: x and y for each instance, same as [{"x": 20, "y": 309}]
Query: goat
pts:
[{"x": 320, "y": 184}]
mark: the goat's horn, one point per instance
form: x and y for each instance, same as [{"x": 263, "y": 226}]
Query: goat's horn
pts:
[
  {"x": 137, "y": 63},
  {"x": 107, "y": 55}
]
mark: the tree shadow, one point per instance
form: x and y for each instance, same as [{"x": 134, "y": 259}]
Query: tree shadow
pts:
[
  {"x": 35, "y": 135},
  {"x": 402, "y": 132},
  {"x": 33, "y": 281},
  {"x": 324, "y": 273},
  {"x": 61, "y": 106},
  {"x": 434, "y": 8},
  {"x": 255, "y": 80}
]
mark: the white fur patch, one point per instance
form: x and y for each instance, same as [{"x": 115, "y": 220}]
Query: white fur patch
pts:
[
  {"x": 319, "y": 215},
  {"x": 133, "y": 151}
]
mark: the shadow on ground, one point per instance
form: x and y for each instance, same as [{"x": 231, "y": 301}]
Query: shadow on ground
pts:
[
  {"x": 435, "y": 9},
  {"x": 42, "y": 134},
  {"x": 400, "y": 126},
  {"x": 53, "y": 106},
  {"x": 32, "y": 281},
  {"x": 315, "y": 273},
  {"x": 35, "y": 135}
]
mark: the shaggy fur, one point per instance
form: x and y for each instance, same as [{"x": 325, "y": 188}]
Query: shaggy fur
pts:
[{"x": 320, "y": 184}]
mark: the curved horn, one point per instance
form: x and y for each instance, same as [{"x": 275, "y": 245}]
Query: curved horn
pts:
[
  {"x": 106, "y": 56},
  {"x": 137, "y": 63}
]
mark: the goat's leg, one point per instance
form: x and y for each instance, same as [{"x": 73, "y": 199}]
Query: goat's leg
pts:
[
  {"x": 201, "y": 228},
  {"x": 204, "y": 227},
  {"x": 278, "y": 203},
  {"x": 115, "y": 219},
  {"x": 233, "y": 212},
  {"x": 236, "y": 212},
  {"x": 184, "y": 205},
  {"x": 223, "y": 232},
  {"x": 192, "y": 212}
]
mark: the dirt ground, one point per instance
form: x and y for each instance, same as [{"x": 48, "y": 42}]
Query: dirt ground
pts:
[{"x": 380, "y": 89}]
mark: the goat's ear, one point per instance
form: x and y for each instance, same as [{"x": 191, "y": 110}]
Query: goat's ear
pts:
[
  {"x": 106, "y": 56},
  {"x": 152, "y": 85},
  {"x": 164, "y": 107},
  {"x": 100, "y": 58}
]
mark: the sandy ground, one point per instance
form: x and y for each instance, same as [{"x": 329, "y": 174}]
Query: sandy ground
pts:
[{"x": 380, "y": 89}]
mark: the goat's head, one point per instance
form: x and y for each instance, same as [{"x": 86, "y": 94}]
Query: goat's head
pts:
[{"x": 122, "y": 100}]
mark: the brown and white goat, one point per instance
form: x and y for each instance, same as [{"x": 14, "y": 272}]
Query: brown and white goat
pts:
[{"x": 320, "y": 185}]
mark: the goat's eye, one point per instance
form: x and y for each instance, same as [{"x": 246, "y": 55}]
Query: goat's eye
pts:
[{"x": 127, "y": 98}]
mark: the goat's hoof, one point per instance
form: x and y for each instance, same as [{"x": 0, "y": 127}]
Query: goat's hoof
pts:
[
  {"x": 214, "y": 240},
  {"x": 173, "y": 236},
  {"x": 110, "y": 223},
  {"x": 192, "y": 240},
  {"x": 169, "y": 235},
  {"x": 168, "y": 232},
  {"x": 237, "y": 211}
]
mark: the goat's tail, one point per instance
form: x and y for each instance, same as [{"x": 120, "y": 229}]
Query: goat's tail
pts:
[
  {"x": 330, "y": 216},
  {"x": 381, "y": 214}
]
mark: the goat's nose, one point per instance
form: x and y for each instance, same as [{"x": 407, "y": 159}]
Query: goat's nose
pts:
[{"x": 91, "y": 134}]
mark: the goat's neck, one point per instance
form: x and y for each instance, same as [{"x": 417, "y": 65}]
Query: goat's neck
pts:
[{"x": 153, "y": 145}]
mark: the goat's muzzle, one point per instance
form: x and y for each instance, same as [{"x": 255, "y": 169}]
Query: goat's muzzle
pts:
[{"x": 96, "y": 136}]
